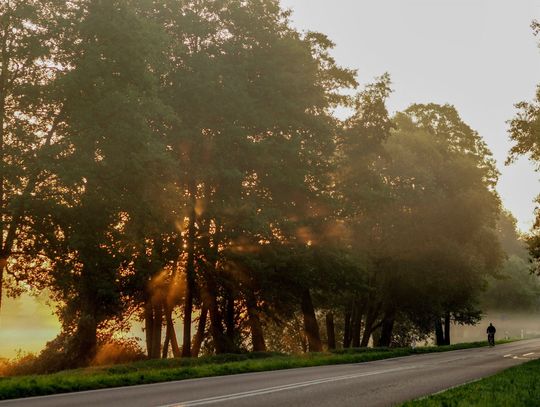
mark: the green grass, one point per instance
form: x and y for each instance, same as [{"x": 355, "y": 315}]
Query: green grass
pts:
[
  {"x": 153, "y": 371},
  {"x": 515, "y": 387}
]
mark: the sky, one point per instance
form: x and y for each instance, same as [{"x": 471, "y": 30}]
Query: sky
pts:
[
  {"x": 26, "y": 325},
  {"x": 478, "y": 55}
]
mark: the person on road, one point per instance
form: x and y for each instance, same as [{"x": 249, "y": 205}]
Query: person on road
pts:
[{"x": 491, "y": 334}]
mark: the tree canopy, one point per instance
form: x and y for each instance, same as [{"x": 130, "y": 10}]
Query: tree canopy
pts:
[{"x": 180, "y": 163}]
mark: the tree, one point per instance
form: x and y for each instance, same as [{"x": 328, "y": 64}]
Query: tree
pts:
[
  {"x": 514, "y": 287},
  {"x": 188, "y": 163},
  {"x": 109, "y": 169},
  {"x": 421, "y": 206},
  {"x": 30, "y": 111},
  {"x": 525, "y": 133},
  {"x": 444, "y": 176},
  {"x": 252, "y": 166},
  {"x": 361, "y": 191}
]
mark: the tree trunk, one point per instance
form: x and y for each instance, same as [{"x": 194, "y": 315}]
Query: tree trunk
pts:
[
  {"x": 347, "y": 329},
  {"x": 229, "y": 316},
  {"x": 165, "y": 352},
  {"x": 171, "y": 332},
  {"x": 257, "y": 334},
  {"x": 303, "y": 343},
  {"x": 85, "y": 337},
  {"x": 330, "y": 331},
  {"x": 85, "y": 340},
  {"x": 216, "y": 329},
  {"x": 439, "y": 334},
  {"x": 210, "y": 292},
  {"x": 371, "y": 317},
  {"x": 447, "y": 329},
  {"x": 311, "y": 327},
  {"x": 149, "y": 327},
  {"x": 221, "y": 341},
  {"x": 199, "y": 335},
  {"x": 190, "y": 281},
  {"x": 356, "y": 324},
  {"x": 387, "y": 329},
  {"x": 157, "y": 307}
]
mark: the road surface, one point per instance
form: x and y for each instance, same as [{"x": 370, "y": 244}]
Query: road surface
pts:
[{"x": 379, "y": 383}]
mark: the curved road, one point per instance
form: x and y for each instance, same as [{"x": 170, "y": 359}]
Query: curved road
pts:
[{"x": 379, "y": 383}]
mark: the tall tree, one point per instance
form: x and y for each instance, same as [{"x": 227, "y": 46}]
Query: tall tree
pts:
[
  {"x": 361, "y": 192},
  {"x": 30, "y": 111},
  {"x": 110, "y": 166},
  {"x": 441, "y": 228},
  {"x": 229, "y": 151}
]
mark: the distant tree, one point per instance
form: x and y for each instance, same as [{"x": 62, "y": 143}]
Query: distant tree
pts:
[
  {"x": 453, "y": 186},
  {"x": 525, "y": 133},
  {"x": 515, "y": 289},
  {"x": 512, "y": 240},
  {"x": 429, "y": 233}
]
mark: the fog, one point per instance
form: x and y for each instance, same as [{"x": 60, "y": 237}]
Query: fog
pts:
[
  {"x": 26, "y": 325},
  {"x": 28, "y": 312},
  {"x": 509, "y": 324}
]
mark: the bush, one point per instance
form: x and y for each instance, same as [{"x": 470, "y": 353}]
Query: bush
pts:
[
  {"x": 54, "y": 357},
  {"x": 118, "y": 351}
]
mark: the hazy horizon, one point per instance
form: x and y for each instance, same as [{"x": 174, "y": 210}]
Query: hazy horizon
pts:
[{"x": 18, "y": 314}]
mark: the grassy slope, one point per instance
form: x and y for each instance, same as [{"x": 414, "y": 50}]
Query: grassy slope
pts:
[
  {"x": 516, "y": 387},
  {"x": 154, "y": 371}
]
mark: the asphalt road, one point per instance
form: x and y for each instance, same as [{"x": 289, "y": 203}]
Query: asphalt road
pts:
[{"x": 379, "y": 383}]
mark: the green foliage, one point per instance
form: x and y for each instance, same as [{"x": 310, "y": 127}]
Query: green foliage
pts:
[
  {"x": 514, "y": 289},
  {"x": 525, "y": 133},
  {"x": 30, "y": 59},
  {"x": 427, "y": 222},
  {"x": 444, "y": 123},
  {"x": 447, "y": 178},
  {"x": 524, "y": 130},
  {"x": 185, "y": 156}
]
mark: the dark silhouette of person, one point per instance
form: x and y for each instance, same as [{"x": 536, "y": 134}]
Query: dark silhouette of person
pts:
[{"x": 491, "y": 334}]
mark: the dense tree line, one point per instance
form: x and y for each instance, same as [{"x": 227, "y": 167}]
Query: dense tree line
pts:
[{"x": 180, "y": 162}]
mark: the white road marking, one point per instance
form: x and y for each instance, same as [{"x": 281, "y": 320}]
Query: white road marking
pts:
[
  {"x": 507, "y": 356},
  {"x": 258, "y": 392},
  {"x": 528, "y": 354}
]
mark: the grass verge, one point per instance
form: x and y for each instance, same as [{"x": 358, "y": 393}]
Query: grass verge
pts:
[
  {"x": 516, "y": 387},
  {"x": 162, "y": 370}
]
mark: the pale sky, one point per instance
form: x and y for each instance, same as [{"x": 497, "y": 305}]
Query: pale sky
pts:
[{"x": 479, "y": 55}]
